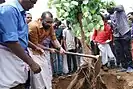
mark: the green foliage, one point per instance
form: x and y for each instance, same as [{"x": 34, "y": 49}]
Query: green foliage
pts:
[
  {"x": 50, "y": 3},
  {"x": 108, "y": 4},
  {"x": 91, "y": 19}
]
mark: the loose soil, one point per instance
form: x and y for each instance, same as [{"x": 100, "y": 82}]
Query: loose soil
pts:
[{"x": 112, "y": 79}]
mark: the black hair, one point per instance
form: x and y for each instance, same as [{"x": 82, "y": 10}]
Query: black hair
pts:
[
  {"x": 110, "y": 10},
  {"x": 59, "y": 23},
  {"x": 56, "y": 20},
  {"x": 130, "y": 13},
  {"x": 43, "y": 16},
  {"x": 105, "y": 17},
  {"x": 28, "y": 13},
  {"x": 68, "y": 24},
  {"x": 2, "y": 1}
]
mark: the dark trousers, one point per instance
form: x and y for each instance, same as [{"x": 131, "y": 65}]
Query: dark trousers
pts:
[
  {"x": 73, "y": 58},
  {"x": 123, "y": 52},
  {"x": 94, "y": 48},
  {"x": 20, "y": 86},
  {"x": 112, "y": 48},
  {"x": 27, "y": 84}
]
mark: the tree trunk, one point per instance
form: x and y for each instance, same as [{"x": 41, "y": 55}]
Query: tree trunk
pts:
[
  {"x": 85, "y": 48},
  {"x": 87, "y": 77}
]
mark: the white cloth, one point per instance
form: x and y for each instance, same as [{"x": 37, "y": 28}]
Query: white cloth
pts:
[
  {"x": 69, "y": 36},
  {"x": 47, "y": 57},
  {"x": 12, "y": 70},
  {"x": 65, "y": 66},
  {"x": 106, "y": 53},
  {"x": 44, "y": 78}
]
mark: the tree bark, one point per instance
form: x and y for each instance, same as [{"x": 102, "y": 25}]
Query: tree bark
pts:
[{"x": 84, "y": 46}]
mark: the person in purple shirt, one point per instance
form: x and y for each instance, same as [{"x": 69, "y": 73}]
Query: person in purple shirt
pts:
[{"x": 122, "y": 37}]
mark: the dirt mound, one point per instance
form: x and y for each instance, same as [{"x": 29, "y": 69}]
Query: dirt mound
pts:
[
  {"x": 112, "y": 79},
  {"x": 62, "y": 82},
  {"x": 121, "y": 80}
]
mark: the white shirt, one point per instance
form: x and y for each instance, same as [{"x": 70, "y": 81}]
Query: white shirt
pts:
[{"x": 69, "y": 37}]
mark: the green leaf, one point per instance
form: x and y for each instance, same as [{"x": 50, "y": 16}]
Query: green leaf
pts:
[
  {"x": 63, "y": 0},
  {"x": 97, "y": 27},
  {"x": 102, "y": 28},
  {"x": 90, "y": 17},
  {"x": 62, "y": 11},
  {"x": 90, "y": 26},
  {"x": 87, "y": 34},
  {"x": 66, "y": 14},
  {"x": 56, "y": 2},
  {"x": 85, "y": 1},
  {"x": 93, "y": 11},
  {"x": 86, "y": 14},
  {"x": 57, "y": 5},
  {"x": 101, "y": 22},
  {"x": 66, "y": 4},
  {"x": 84, "y": 21},
  {"x": 99, "y": 17},
  {"x": 72, "y": 6},
  {"x": 85, "y": 8},
  {"x": 74, "y": 3}
]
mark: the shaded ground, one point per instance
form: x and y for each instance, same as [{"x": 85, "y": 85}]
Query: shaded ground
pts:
[
  {"x": 112, "y": 79},
  {"x": 62, "y": 82}
]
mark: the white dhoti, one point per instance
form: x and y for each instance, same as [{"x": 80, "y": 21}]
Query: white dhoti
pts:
[
  {"x": 65, "y": 66},
  {"x": 47, "y": 57},
  {"x": 13, "y": 70},
  {"x": 44, "y": 78},
  {"x": 106, "y": 53}
]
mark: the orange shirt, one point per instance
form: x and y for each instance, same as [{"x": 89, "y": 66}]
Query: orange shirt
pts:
[{"x": 37, "y": 34}]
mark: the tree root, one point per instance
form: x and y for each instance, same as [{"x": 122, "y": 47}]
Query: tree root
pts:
[{"x": 87, "y": 78}]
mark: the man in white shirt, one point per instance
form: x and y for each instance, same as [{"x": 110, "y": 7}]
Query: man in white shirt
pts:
[{"x": 69, "y": 43}]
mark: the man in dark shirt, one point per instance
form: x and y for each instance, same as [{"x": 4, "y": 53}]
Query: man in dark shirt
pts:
[{"x": 122, "y": 37}]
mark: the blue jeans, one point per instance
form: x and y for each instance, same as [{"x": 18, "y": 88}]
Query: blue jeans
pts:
[{"x": 57, "y": 63}]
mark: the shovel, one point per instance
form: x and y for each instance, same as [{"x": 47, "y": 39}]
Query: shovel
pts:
[
  {"x": 83, "y": 55},
  {"x": 97, "y": 65}
]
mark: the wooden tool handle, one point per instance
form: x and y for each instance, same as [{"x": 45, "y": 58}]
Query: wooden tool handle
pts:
[{"x": 83, "y": 55}]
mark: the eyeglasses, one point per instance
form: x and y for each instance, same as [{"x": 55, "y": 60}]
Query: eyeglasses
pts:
[{"x": 34, "y": 2}]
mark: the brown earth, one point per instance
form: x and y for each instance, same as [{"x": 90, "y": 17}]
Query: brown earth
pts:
[{"x": 112, "y": 79}]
